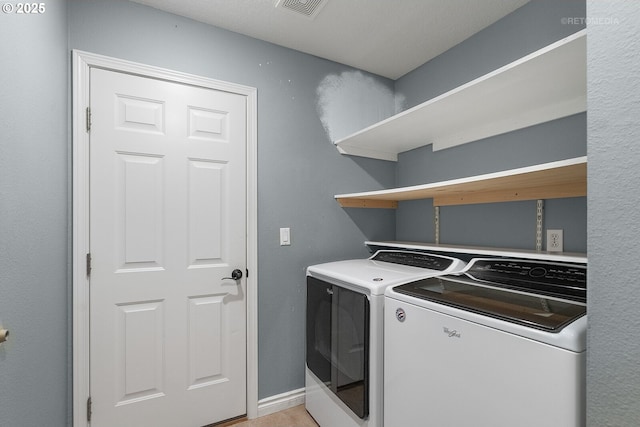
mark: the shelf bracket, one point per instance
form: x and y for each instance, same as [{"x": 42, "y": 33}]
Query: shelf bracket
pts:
[
  {"x": 539, "y": 220},
  {"x": 436, "y": 224}
]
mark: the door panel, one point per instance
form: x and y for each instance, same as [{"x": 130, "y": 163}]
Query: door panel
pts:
[
  {"x": 139, "y": 351},
  {"x": 140, "y": 211},
  {"x": 205, "y": 212},
  {"x": 338, "y": 332},
  {"x": 167, "y": 225},
  {"x": 206, "y": 341}
]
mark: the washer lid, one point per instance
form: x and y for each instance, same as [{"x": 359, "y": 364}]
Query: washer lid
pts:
[{"x": 529, "y": 310}]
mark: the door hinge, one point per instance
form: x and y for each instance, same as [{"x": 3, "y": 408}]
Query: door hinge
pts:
[
  {"x": 88, "y": 265},
  {"x": 88, "y": 119},
  {"x": 89, "y": 409}
]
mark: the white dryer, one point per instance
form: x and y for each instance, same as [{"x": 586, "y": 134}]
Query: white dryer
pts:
[
  {"x": 501, "y": 345},
  {"x": 345, "y": 300}
]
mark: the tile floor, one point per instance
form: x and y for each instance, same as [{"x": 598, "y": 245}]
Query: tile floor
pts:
[{"x": 292, "y": 417}]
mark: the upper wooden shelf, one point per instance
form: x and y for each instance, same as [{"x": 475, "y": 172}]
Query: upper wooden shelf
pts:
[
  {"x": 545, "y": 85},
  {"x": 564, "y": 178}
]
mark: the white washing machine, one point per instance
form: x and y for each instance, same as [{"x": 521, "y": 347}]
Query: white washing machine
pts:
[
  {"x": 345, "y": 300},
  {"x": 501, "y": 345}
]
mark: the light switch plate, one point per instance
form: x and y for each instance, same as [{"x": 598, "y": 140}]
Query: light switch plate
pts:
[{"x": 285, "y": 236}]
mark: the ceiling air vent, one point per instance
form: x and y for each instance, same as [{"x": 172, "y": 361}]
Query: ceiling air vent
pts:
[{"x": 308, "y": 8}]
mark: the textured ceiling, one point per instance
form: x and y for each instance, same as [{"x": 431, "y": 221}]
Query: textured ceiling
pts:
[{"x": 385, "y": 37}]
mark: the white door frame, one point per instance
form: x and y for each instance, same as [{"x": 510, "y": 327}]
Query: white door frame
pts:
[{"x": 82, "y": 64}]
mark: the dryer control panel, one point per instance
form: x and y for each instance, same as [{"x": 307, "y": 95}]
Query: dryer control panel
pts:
[{"x": 414, "y": 259}]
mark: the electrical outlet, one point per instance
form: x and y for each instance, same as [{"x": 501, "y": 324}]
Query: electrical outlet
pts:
[{"x": 554, "y": 241}]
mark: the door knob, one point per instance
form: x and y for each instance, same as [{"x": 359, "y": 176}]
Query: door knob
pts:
[
  {"x": 4, "y": 334},
  {"x": 235, "y": 275}
]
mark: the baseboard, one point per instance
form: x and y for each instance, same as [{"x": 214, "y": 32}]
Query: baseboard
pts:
[{"x": 280, "y": 402}]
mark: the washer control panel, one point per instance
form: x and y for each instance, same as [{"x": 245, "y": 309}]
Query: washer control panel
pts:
[{"x": 560, "y": 279}]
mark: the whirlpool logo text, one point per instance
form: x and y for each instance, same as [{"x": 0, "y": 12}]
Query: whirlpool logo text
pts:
[{"x": 452, "y": 334}]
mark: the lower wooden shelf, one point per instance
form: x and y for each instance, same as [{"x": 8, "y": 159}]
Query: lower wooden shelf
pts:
[{"x": 564, "y": 178}]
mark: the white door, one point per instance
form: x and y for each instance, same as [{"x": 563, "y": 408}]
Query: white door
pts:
[{"x": 167, "y": 225}]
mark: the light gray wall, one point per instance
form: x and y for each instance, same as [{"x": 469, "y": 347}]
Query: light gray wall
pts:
[
  {"x": 511, "y": 224},
  {"x": 527, "y": 29},
  {"x": 533, "y": 26},
  {"x": 35, "y": 167},
  {"x": 34, "y": 229},
  {"x": 299, "y": 170},
  {"x": 613, "y": 354}
]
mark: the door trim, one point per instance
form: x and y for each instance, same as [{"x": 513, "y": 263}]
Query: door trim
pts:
[{"x": 82, "y": 64}]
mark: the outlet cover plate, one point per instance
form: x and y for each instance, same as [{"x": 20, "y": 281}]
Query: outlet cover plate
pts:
[{"x": 554, "y": 241}]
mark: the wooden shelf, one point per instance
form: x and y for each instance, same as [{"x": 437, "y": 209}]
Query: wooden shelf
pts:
[
  {"x": 564, "y": 178},
  {"x": 547, "y": 84}
]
